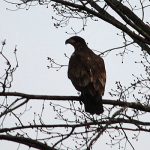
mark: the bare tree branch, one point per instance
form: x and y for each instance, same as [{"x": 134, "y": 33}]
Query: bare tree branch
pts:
[
  {"x": 137, "y": 106},
  {"x": 128, "y": 16},
  {"x": 67, "y": 120},
  {"x": 26, "y": 141}
]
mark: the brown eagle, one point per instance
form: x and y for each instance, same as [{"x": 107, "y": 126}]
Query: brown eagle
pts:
[{"x": 87, "y": 72}]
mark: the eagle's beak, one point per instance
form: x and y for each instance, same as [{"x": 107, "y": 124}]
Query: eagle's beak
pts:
[
  {"x": 70, "y": 41},
  {"x": 67, "y": 41}
]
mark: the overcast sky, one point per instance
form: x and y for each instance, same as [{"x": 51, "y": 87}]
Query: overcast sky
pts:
[{"x": 36, "y": 38}]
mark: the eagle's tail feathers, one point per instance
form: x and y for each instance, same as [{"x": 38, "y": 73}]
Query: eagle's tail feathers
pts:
[{"x": 93, "y": 105}]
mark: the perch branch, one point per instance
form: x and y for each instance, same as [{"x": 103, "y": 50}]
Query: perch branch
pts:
[{"x": 133, "y": 105}]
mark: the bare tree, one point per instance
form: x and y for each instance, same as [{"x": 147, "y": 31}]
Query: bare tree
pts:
[{"x": 80, "y": 128}]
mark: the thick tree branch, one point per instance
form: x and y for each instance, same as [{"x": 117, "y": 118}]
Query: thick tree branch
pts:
[
  {"x": 26, "y": 141},
  {"x": 116, "y": 5},
  {"x": 130, "y": 18},
  {"x": 143, "y": 42},
  {"x": 137, "y": 106}
]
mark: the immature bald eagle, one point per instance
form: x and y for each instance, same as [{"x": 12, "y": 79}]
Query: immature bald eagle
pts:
[{"x": 87, "y": 72}]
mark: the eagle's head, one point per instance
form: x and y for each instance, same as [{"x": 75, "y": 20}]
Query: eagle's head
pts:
[{"x": 76, "y": 41}]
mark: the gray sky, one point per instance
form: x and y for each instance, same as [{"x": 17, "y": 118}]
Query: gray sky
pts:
[{"x": 36, "y": 38}]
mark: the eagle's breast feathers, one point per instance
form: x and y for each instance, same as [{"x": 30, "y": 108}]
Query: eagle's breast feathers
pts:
[{"x": 87, "y": 69}]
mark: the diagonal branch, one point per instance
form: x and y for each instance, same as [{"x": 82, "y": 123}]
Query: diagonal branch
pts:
[
  {"x": 116, "y": 5},
  {"x": 130, "y": 18}
]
